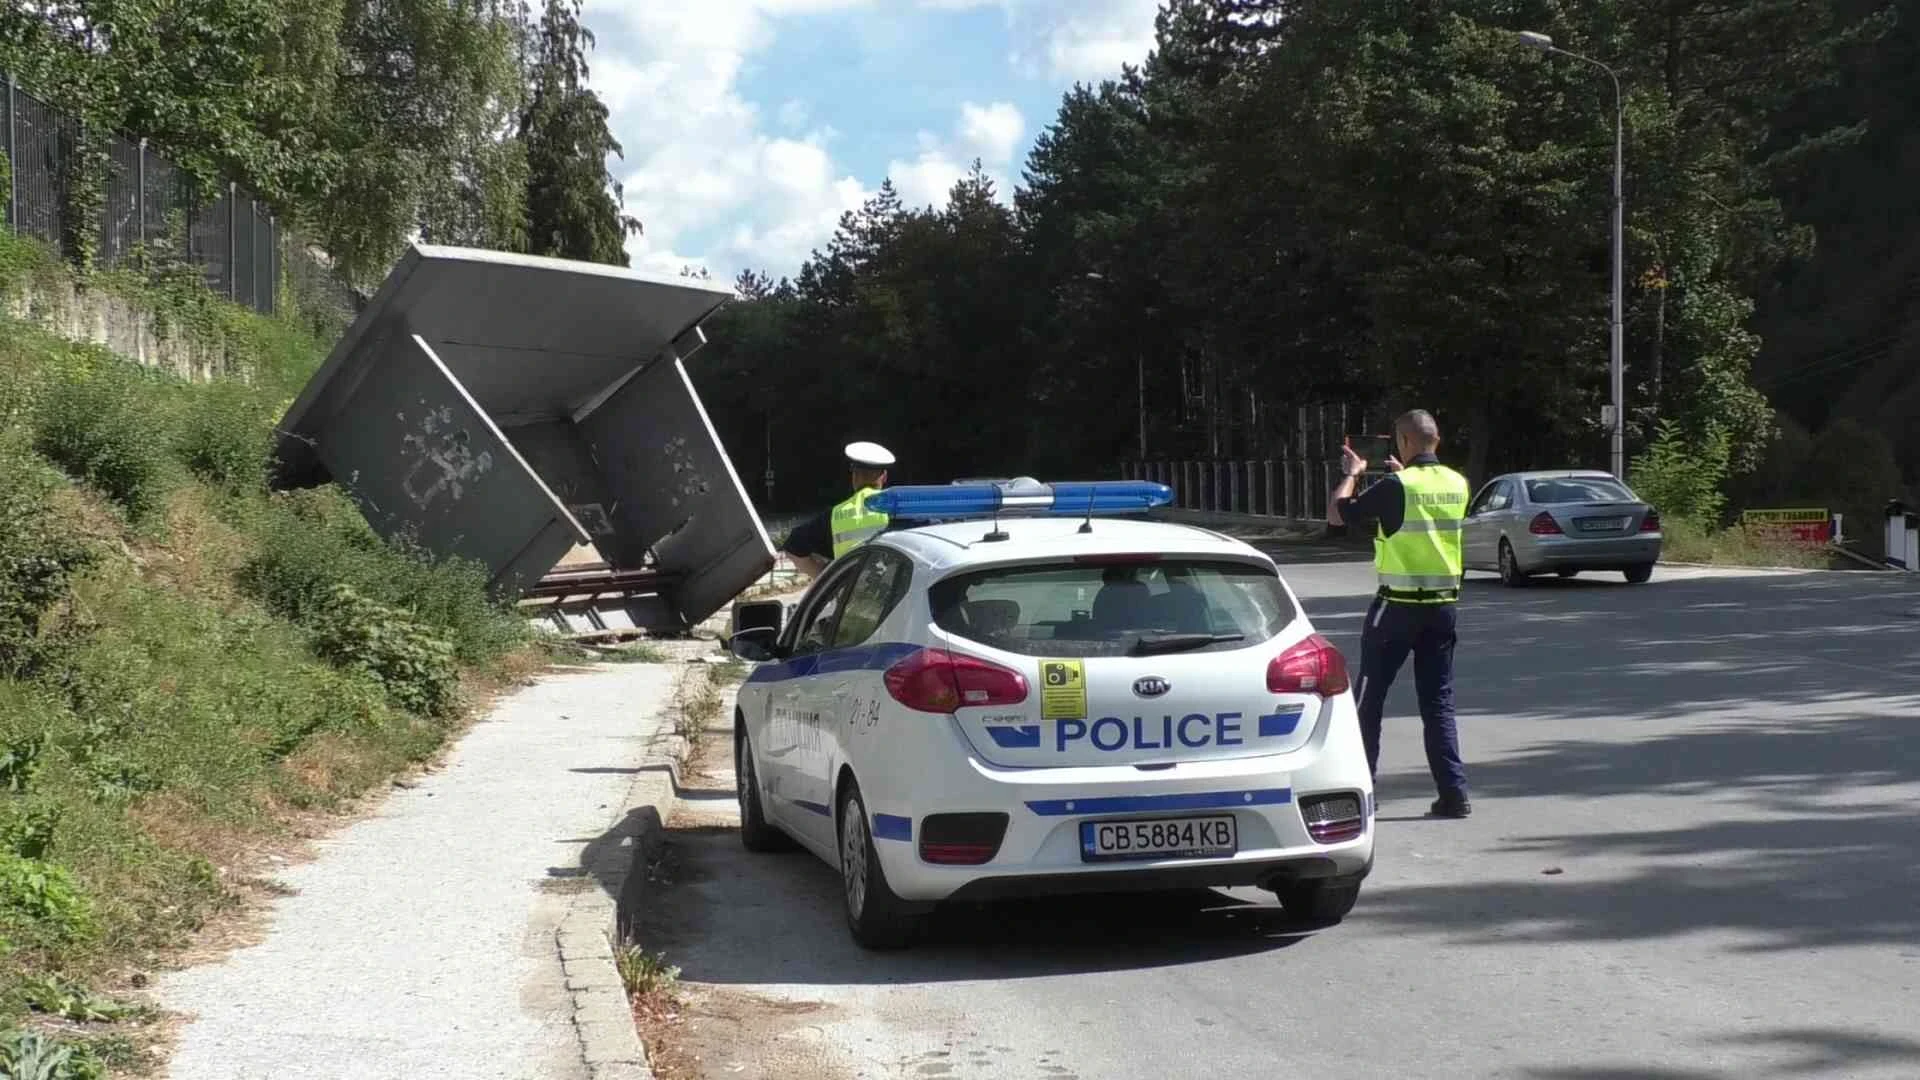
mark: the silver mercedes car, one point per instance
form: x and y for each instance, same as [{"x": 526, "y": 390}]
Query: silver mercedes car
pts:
[{"x": 1528, "y": 523}]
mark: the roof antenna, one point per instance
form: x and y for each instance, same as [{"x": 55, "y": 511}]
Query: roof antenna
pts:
[
  {"x": 997, "y": 534},
  {"x": 1087, "y": 525}
]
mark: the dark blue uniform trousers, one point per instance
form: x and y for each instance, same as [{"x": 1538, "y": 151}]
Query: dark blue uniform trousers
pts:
[{"x": 1427, "y": 631}]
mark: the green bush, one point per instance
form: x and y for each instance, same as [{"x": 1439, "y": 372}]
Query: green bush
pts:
[
  {"x": 172, "y": 694},
  {"x": 41, "y": 903},
  {"x": 311, "y": 541},
  {"x": 1683, "y": 475},
  {"x": 417, "y": 667},
  {"x": 38, "y": 559},
  {"x": 27, "y": 826},
  {"x": 224, "y": 435},
  {"x": 104, "y": 425},
  {"x": 29, "y": 1055}
]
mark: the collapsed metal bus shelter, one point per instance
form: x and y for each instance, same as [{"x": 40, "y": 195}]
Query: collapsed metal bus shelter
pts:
[{"x": 517, "y": 410}]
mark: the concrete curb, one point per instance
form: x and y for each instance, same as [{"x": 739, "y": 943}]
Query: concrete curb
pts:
[
  {"x": 590, "y": 931},
  {"x": 1777, "y": 569}
]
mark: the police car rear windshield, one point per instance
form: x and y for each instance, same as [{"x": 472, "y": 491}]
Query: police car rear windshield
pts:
[{"x": 1115, "y": 608}]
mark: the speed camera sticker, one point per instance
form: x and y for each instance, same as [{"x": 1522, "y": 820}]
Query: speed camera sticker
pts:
[{"x": 1063, "y": 690}]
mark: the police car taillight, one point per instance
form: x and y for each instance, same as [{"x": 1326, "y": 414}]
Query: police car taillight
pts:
[
  {"x": 940, "y": 681},
  {"x": 1312, "y": 666}
]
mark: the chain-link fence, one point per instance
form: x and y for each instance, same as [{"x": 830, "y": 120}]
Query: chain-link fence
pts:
[{"x": 150, "y": 208}]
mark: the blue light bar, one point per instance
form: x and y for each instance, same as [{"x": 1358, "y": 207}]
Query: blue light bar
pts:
[{"x": 927, "y": 502}]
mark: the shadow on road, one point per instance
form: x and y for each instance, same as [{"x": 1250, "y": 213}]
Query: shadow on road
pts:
[
  {"x": 1843, "y": 645},
  {"x": 1775, "y": 717},
  {"x": 730, "y": 917},
  {"x": 1796, "y": 1052},
  {"x": 1796, "y": 870}
]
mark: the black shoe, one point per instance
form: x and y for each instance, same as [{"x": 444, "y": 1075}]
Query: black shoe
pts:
[{"x": 1450, "y": 806}]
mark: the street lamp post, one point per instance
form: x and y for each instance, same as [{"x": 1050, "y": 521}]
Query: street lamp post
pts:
[{"x": 1616, "y": 364}]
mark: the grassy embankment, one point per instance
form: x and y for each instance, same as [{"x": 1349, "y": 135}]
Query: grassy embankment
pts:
[
  {"x": 189, "y": 666},
  {"x": 1735, "y": 546}
]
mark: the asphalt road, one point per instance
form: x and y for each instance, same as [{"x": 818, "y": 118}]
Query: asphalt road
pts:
[{"x": 1695, "y": 854}]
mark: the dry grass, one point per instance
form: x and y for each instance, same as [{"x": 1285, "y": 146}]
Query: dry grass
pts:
[{"x": 697, "y": 702}]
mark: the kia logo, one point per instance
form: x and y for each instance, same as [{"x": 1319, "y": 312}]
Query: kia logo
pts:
[{"x": 1151, "y": 686}]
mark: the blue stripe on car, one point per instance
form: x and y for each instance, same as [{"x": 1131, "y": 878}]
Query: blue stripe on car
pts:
[
  {"x": 1018, "y": 737},
  {"x": 1129, "y": 804},
  {"x": 1276, "y": 724},
  {"x": 892, "y": 827},
  {"x": 877, "y": 656}
]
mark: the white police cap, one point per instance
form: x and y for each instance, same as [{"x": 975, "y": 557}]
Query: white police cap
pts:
[{"x": 869, "y": 455}]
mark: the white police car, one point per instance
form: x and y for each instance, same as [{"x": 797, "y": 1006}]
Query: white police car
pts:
[{"x": 1034, "y": 699}]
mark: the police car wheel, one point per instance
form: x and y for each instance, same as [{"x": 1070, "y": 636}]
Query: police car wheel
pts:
[
  {"x": 874, "y": 914},
  {"x": 756, "y": 832},
  {"x": 1325, "y": 900},
  {"x": 1510, "y": 574}
]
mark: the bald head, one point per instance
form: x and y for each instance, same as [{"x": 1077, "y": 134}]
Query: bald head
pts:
[{"x": 1417, "y": 433}]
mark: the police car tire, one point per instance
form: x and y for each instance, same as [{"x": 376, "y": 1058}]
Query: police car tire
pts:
[
  {"x": 1325, "y": 900},
  {"x": 756, "y": 832},
  {"x": 881, "y": 923}
]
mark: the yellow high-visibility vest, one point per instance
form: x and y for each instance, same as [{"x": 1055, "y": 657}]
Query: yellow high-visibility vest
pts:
[
  {"x": 1422, "y": 564},
  {"x": 854, "y": 524}
]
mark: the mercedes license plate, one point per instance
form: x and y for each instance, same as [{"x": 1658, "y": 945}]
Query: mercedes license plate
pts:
[
  {"x": 1603, "y": 524},
  {"x": 1158, "y": 838}
]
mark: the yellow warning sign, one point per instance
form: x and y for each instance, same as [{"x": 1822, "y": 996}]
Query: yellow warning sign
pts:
[{"x": 1063, "y": 690}]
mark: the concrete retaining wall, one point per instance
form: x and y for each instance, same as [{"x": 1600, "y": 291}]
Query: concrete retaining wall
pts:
[{"x": 116, "y": 323}]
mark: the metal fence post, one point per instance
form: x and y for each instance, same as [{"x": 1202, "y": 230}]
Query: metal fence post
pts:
[
  {"x": 233, "y": 228},
  {"x": 253, "y": 253},
  {"x": 273, "y": 258},
  {"x": 13, "y": 162},
  {"x": 140, "y": 205}
]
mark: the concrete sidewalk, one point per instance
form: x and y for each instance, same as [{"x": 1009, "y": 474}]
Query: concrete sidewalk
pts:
[{"x": 421, "y": 942}]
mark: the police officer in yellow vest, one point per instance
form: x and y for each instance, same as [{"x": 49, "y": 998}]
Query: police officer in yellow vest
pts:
[
  {"x": 1417, "y": 510},
  {"x": 846, "y": 526}
]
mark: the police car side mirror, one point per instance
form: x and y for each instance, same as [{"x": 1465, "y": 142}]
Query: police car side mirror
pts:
[
  {"x": 759, "y": 614},
  {"x": 755, "y": 644}
]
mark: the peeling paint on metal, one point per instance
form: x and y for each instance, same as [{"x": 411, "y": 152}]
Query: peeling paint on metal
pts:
[
  {"x": 445, "y": 454},
  {"x": 687, "y": 480}
]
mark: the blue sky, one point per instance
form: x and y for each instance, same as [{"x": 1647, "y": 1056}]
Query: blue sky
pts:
[{"x": 749, "y": 125}]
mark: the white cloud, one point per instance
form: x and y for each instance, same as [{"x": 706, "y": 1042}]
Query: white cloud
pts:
[
  {"x": 1085, "y": 40},
  {"x": 988, "y": 132},
  {"x": 697, "y": 157},
  {"x": 721, "y": 183},
  {"x": 992, "y": 131}
]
